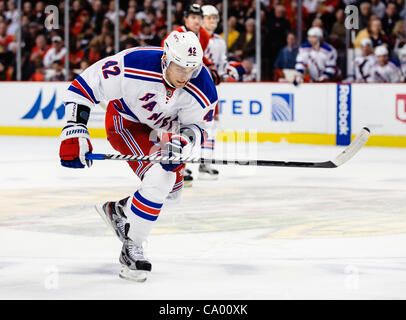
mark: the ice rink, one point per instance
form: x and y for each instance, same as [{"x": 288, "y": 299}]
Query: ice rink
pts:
[{"x": 256, "y": 233}]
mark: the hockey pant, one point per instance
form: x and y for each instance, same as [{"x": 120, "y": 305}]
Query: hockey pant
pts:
[{"x": 158, "y": 186}]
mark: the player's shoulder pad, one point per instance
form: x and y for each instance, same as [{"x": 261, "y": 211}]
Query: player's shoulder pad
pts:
[
  {"x": 395, "y": 63},
  {"x": 326, "y": 46},
  {"x": 202, "y": 88},
  {"x": 145, "y": 59},
  {"x": 306, "y": 45}
]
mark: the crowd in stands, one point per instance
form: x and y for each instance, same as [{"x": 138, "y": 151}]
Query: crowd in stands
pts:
[{"x": 143, "y": 22}]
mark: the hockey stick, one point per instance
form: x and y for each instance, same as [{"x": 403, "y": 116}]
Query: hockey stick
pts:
[{"x": 343, "y": 157}]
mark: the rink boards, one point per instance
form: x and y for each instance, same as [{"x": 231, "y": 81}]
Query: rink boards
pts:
[{"x": 311, "y": 113}]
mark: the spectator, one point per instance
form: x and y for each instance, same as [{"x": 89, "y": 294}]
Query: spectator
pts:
[
  {"x": 84, "y": 64},
  {"x": 38, "y": 75},
  {"x": 374, "y": 27},
  {"x": 278, "y": 26},
  {"x": 377, "y": 35},
  {"x": 147, "y": 37},
  {"x": 6, "y": 41},
  {"x": 178, "y": 14},
  {"x": 365, "y": 14},
  {"x": 39, "y": 13},
  {"x": 27, "y": 10},
  {"x": 107, "y": 28},
  {"x": 287, "y": 56},
  {"x": 364, "y": 64},
  {"x": 11, "y": 17},
  {"x": 238, "y": 10},
  {"x": 130, "y": 43},
  {"x": 82, "y": 23},
  {"x": 57, "y": 73},
  {"x": 250, "y": 12},
  {"x": 3, "y": 71},
  {"x": 390, "y": 18},
  {"x": 2, "y": 10},
  {"x": 338, "y": 31},
  {"x": 40, "y": 49},
  {"x": 378, "y": 8},
  {"x": 318, "y": 23},
  {"x": 400, "y": 5},
  {"x": 142, "y": 12},
  {"x": 93, "y": 53},
  {"x": 244, "y": 46},
  {"x": 76, "y": 54},
  {"x": 111, "y": 13},
  {"x": 325, "y": 11},
  {"x": 398, "y": 37},
  {"x": 57, "y": 52},
  {"x": 131, "y": 24},
  {"x": 233, "y": 34},
  {"x": 97, "y": 15},
  {"x": 384, "y": 70},
  {"x": 292, "y": 15},
  {"x": 108, "y": 46},
  {"x": 33, "y": 30},
  {"x": 311, "y": 6}
]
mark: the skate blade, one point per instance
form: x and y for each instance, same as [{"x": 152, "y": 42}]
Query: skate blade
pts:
[
  {"x": 133, "y": 275},
  {"x": 207, "y": 176},
  {"x": 102, "y": 214}
]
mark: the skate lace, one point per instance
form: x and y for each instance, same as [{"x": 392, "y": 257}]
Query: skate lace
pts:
[
  {"x": 135, "y": 251},
  {"x": 121, "y": 225}
]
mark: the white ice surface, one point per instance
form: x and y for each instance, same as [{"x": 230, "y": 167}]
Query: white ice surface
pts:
[{"x": 257, "y": 233}]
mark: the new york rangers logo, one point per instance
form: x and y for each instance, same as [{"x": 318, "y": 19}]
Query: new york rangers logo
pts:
[{"x": 192, "y": 51}]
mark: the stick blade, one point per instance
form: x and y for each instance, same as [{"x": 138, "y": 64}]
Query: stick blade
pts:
[{"x": 353, "y": 148}]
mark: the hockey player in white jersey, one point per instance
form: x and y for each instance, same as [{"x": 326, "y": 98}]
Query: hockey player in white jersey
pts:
[
  {"x": 402, "y": 59},
  {"x": 316, "y": 57},
  {"x": 161, "y": 100},
  {"x": 216, "y": 53},
  {"x": 385, "y": 70},
  {"x": 365, "y": 62},
  {"x": 216, "y": 49}
]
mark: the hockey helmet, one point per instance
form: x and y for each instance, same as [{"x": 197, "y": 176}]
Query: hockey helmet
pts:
[
  {"x": 184, "y": 49},
  {"x": 402, "y": 53},
  {"x": 381, "y": 51},
  {"x": 366, "y": 42},
  {"x": 209, "y": 10},
  {"x": 193, "y": 9},
  {"x": 315, "y": 32}
]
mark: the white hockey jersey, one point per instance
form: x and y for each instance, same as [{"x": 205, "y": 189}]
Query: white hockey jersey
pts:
[
  {"x": 387, "y": 73},
  {"x": 318, "y": 63},
  {"x": 403, "y": 69},
  {"x": 216, "y": 53},
  {"x": 363, "y": 66},
  {"x": 132, "y": 80}
]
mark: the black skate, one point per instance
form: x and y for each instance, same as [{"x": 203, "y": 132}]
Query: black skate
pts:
[
  {"x": 207, "y": 173},
  {"x": 187, "y": 178},
  {"x": 113, "y": 214},
  {"x": 135, "y": 266}
]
